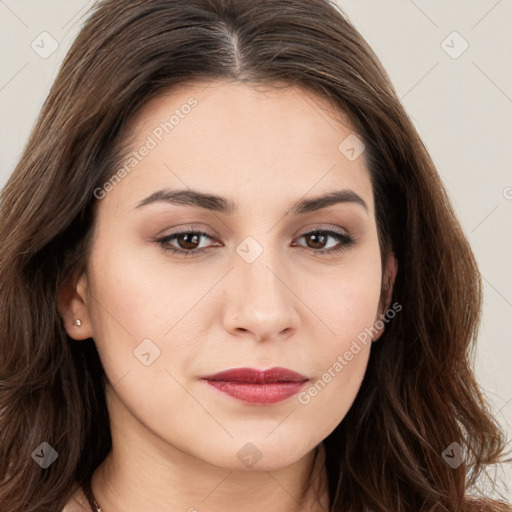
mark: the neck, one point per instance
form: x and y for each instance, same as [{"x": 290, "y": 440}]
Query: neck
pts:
[
  {"x": 145, "y": 473},
  {"x": 119, "y": 487}
]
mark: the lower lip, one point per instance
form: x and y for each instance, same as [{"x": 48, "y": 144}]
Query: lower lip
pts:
[{"x": 258, "y": 393}]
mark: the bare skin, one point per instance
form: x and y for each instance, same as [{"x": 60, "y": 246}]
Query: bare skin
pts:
[{"x": 292, "y": 306}]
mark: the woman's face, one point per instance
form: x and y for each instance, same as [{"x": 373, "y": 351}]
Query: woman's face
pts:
[{"x": 271, "y": 289}]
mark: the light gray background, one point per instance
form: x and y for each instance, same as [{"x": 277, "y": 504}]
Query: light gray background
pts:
[{"x": 461, "y": 105}]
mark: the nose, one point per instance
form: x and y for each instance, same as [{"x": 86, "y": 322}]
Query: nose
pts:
[{"x": 260, "y": 301}]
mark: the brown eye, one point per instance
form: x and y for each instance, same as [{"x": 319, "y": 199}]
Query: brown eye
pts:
[
  {"x": 317, "y": 240},
  {"x": 186, "y": 242}
]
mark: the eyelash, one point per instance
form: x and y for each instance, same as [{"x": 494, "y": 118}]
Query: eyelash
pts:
[{"x": 347, "y": 242}]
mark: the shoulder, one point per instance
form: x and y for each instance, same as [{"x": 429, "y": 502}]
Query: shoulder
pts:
[{"x": 77, "y": 503}]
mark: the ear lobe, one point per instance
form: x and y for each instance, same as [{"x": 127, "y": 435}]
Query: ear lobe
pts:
[
  {"x": 387, "y": 290},
  {"x": 73, "y": 305}
]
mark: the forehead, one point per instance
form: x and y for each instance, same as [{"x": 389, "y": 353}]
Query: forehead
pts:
[{"x": 241, "y": 141}]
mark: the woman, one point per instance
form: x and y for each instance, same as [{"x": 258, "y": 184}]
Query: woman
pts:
[{"x": 231, "y": 278}]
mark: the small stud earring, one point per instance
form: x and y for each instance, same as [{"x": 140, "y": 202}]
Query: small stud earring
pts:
[{"x": 78, "y": 322}]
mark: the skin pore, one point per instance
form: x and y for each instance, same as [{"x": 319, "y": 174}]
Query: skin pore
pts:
[{"x": 176, "y": 440}]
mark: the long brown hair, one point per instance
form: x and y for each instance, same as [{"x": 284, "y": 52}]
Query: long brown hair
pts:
[{"x": 419, "y": 394}]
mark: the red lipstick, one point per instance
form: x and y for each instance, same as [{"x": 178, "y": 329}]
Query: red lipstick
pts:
[{"x": 258, "y": 386}]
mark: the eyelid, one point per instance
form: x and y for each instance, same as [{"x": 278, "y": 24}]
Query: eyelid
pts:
[{"x": 345, "y": 241}]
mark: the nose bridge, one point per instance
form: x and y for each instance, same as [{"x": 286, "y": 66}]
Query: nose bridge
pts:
[
  {"x": 260, "y": 276},
  {"x": 260, "y": 301}
]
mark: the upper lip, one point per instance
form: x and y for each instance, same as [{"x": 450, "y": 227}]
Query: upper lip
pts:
[{"x": 254, "y": 376}]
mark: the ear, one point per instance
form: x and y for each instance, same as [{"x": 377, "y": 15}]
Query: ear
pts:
[
  {"x": 73, "y": 304},
  {"x": 388, "y": 282}
]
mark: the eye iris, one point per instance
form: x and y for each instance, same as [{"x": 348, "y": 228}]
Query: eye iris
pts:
[
  {"x": 187, "y": 236},
  {"x": 318, "y": 237}
]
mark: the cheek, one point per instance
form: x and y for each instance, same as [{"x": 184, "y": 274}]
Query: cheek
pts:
[
  {"x": 131, "y": 304},
  {"x": 146, "y": 310},
  {"x": 348, "y": 299},
  {"x": 328, "y": 398},
  {"x": 341, "y": 356},
  {"x": 348, "y": 309},
  {"x": 140, "y": 329}
]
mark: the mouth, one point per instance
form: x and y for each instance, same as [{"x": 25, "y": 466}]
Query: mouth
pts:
[{"x": 258, "y": 386}]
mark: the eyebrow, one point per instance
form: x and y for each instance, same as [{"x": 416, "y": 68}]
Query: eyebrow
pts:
[{"x": 189, "y": 197}]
